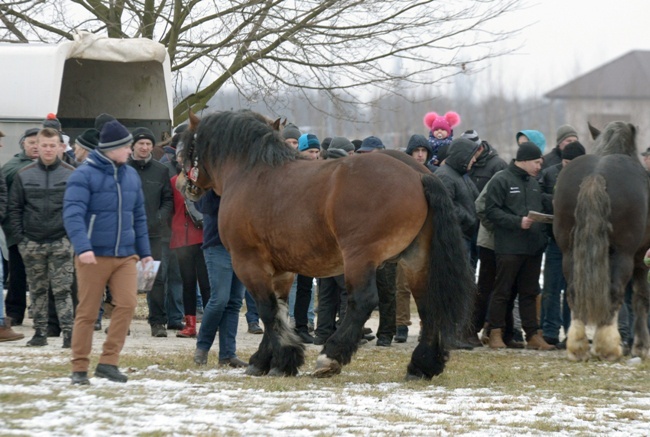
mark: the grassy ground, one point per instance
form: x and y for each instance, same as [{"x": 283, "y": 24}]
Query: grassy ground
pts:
[{"x": 481, "y": 391}]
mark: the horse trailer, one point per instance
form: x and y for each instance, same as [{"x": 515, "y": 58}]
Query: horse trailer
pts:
[{"x": 80, "y": 79}]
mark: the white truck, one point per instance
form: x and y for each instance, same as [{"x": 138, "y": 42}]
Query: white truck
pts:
[{"x": 78, "y": 80}]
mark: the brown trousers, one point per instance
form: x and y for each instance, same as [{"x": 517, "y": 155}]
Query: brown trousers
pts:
[
  {"x": 121, "y": 276},
  {"x": 403, "y": 298}
]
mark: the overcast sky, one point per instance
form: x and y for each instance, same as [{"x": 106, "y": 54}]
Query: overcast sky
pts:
[{"x": 567, "y": 38}]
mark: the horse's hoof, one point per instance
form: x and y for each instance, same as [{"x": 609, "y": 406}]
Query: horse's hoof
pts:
[
  {"x": 277, "y": 372},
  {"x": 252, "y": 370},
  {"x": 413, "y": 377},
  {"x": 641, "y": 352},
  {"x": 326, "y": 367}
]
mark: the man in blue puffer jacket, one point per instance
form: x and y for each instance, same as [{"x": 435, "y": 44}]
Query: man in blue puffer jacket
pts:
[{"x": 104, "y": 216}]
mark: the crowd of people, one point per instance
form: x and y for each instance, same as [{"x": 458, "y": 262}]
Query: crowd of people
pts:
[{"x": 78, "y": 218}]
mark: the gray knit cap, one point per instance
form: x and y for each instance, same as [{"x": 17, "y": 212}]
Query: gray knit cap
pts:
[{"x": 565, "y": 131}]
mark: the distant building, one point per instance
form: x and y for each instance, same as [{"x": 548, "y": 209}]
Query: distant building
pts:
[{"x": 616, "y": 91}]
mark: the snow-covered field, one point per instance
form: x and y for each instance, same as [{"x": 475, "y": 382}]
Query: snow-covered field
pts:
[{"x": 162, "y": 400}]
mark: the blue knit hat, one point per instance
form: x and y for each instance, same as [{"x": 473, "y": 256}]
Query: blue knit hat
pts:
[
  {"x": 113, "y": 136},
  {"x": 308, "y": 141}
]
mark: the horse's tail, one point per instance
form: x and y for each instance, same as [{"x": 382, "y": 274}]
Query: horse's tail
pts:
[
  {"x": 451, "y": 287},
  {"x": 590, "y": 252}
]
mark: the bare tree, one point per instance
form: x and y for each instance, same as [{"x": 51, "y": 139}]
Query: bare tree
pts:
[{"x": 265, "y": 47}]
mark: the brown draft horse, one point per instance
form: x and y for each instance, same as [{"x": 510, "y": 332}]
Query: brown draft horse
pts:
[
  {"x": 602, "y": 226},
  {"x": 281, "y": 215}
]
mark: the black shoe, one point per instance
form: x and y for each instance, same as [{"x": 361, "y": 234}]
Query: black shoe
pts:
[
  {"x": 254, "y": 328},
  {"x": 366, "y": 331},
  {"x": 112, "y": 373},
  {"x": 53, "y": 331},
  {"x": 98, "y": 325},
  {"x": 233, "y": 362},
  {"x": 402, "y": 334},
  {"x": 67, "y": 339},
  {"x": 200, "y": 357},
  {"x": 158, "y": 331},
  {"x": 368, "y": 337},
  {"x": 39, "y": 339},
  {"x": 80, "y": 378},
  {"x": 305, "y": 337},
  {"x": 318, "y": 341},
  {"x": 561, "y": 345},
  {"x": 551, "y": 340},
  {"x": 384, "y": 341},
  {"x": 175, "y": 326},
  {"x": 473, "y": 340}
]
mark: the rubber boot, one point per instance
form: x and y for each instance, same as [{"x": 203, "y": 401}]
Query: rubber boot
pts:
[
  {"x": 190, "y": 328},
  {"x": 496, "y": 341}
]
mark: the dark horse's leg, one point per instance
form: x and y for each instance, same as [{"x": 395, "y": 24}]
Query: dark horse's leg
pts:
[
  {"x": 280, "y": 353},
  {"x": 362, "y": 299},
  {"x": 640, "y": 304}
]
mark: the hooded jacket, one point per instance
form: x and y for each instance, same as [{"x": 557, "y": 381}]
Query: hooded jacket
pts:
[
  {"x": 461, "y": 189},
  {"x": 103, "y": 209},
  {"x": 420, "y": 141},
  {"x": 487, "y": 164}
]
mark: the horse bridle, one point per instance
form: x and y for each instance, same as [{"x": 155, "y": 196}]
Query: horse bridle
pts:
[{"x": 192, "y": 173}]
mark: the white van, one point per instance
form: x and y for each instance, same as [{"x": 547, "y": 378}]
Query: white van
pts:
[{"x": 78, "y": 80}]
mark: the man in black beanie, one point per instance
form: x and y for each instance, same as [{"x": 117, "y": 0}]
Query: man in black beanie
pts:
[
  {"x": 555, "y": 310},
  {"x": 518, "y": 243}
]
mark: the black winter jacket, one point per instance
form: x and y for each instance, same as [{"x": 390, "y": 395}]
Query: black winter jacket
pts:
[
  {"x": 461, "y": 189},
  {"x": 158, "y": 196},
  {"x": 36, "y": 202},
  {"x": 487, "y": 164},
  {"x": 511, "y": 195}
]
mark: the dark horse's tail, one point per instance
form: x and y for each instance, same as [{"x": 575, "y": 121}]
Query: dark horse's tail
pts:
[
  {"x": 451, "y": 282},
  {"x": 590, "y": 252}
]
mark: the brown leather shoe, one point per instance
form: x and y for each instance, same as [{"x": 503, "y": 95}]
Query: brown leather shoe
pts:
[
  {"x": 496, "y": 341},
  {"x": 8, "y": 334},
  {"x": 536, "y": 342}
]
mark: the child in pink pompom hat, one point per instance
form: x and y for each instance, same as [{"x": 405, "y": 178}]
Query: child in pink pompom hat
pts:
[{"x": 441, "y": 131}]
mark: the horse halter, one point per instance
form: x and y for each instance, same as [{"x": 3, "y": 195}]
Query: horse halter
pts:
[{"x": 192, "y": 173}]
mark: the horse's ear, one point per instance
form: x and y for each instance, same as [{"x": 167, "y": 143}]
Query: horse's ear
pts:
[
  {"x": 194, "y": 120},
  {"x": 633, "y": 130},
  {"x": 276, "y": 124},
  {"x": 284, "y": 123},
  {"x": 593, "y": 131}
]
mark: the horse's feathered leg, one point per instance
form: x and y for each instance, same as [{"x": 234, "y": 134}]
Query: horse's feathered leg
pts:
[
  {"x": 577, "y": 345},
  {"x": 607, "y": 341},
  {"x": 640, "y": 305},
  {"x": 362, "y": 299},
  {"x": 280, "y": 353}
]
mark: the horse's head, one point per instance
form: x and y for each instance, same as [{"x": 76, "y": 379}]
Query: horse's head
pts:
[
  {"x": 194, "y": 180},
  {"x": 616, "y": 137}
]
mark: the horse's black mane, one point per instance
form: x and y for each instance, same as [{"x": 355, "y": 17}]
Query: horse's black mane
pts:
[
  {"x": 243, "y": 136},
  {"x": 617, "y": 137}
]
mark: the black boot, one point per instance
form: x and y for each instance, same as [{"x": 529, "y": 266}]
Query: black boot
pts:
[
  {"x": 110, "y": 372},
  {"x": 304, "y": 336},
  {"x": 67, "y": 339},
  {"x": 80, "y": 378},
  {"x": 402, "y": 334},
  {"x": 39, "y": 339}
]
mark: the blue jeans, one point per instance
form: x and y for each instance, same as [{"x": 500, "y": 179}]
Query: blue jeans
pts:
[
  {"x": 554, "y": 283},
  {"x": 173, "y": 286},
  {"x": 311, "y": 315},
  {"x": 222, "y": 311},
  {"x": 251, "y": 309}
]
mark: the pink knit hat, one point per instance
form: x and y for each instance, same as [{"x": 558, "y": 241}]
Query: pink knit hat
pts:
[{"x": 434, "y": 121}]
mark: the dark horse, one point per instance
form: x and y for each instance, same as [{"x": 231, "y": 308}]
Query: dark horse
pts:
[
  {"x": 281, "y": 215},
  {"x": 602, "y": 226}
]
